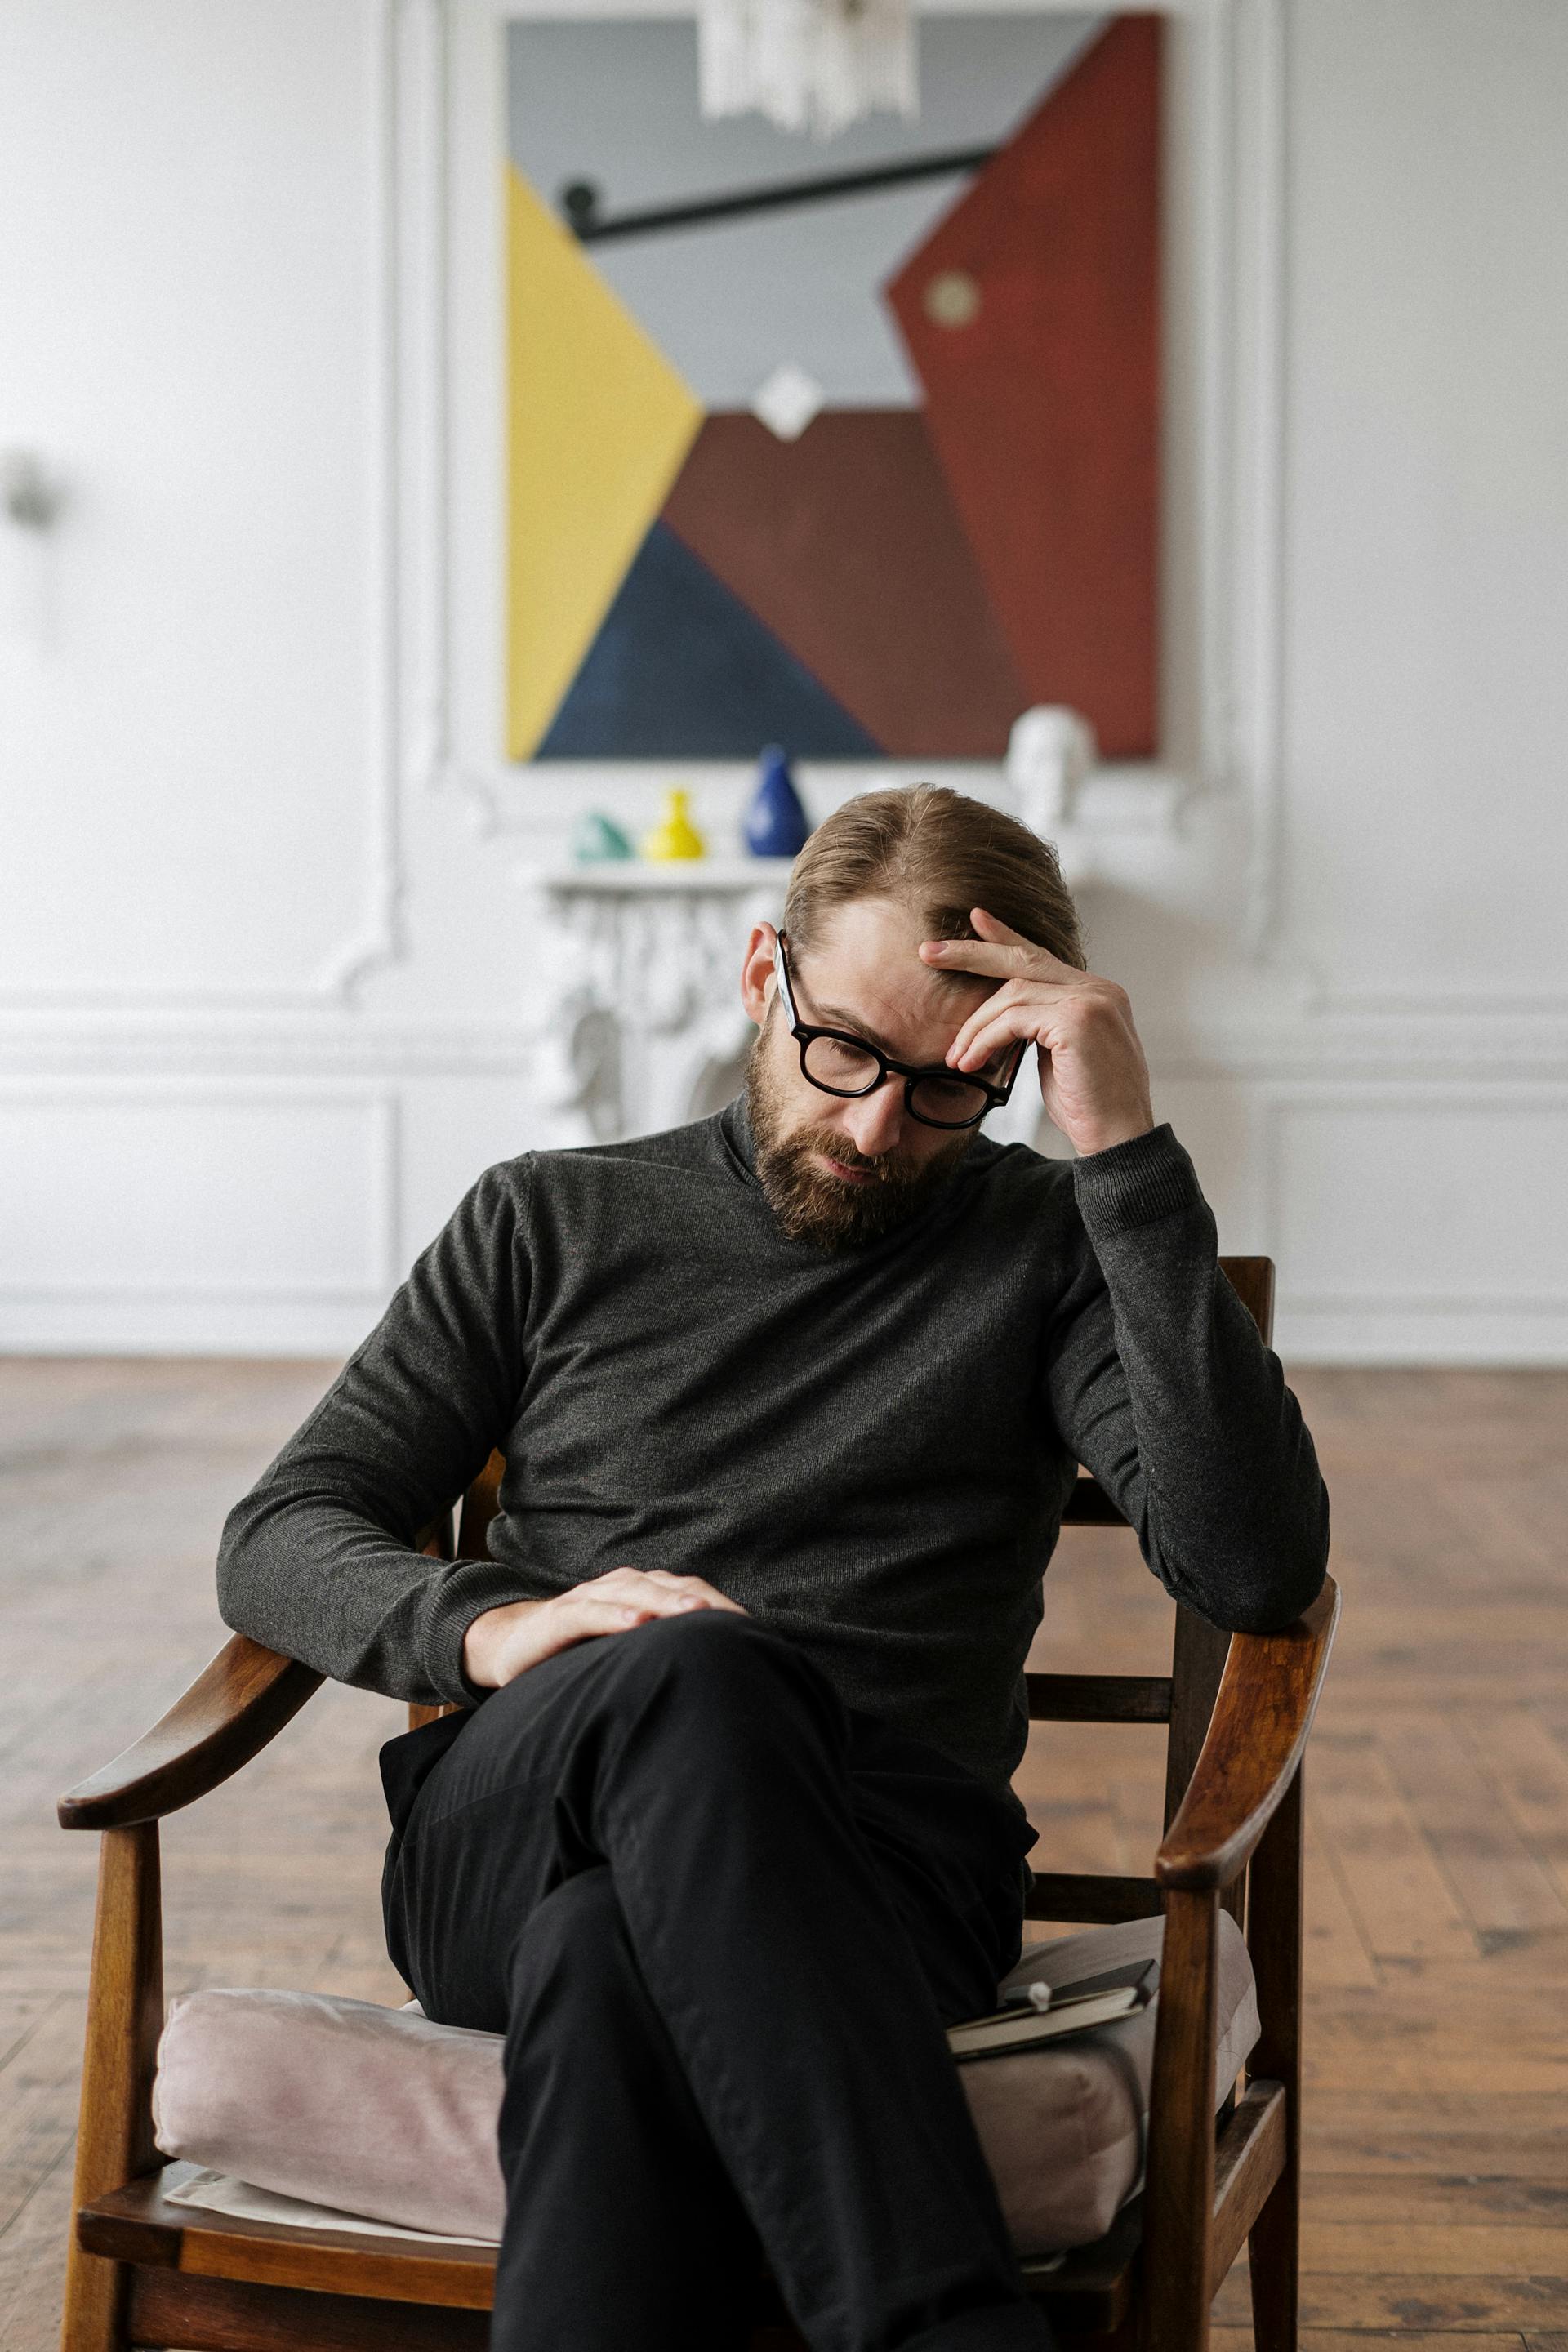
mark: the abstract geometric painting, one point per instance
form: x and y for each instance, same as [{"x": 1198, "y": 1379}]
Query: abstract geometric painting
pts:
[{"x": 852, "y": 448}]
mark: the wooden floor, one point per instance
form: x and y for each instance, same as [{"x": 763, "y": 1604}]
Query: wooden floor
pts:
[{"x": 1437, "y": 2114}]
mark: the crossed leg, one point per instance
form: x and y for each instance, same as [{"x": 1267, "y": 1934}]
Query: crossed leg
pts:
[{"x": 645, "y": 1863}]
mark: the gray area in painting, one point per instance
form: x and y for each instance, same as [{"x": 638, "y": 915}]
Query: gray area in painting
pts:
[{"x": 614, "y": 102}]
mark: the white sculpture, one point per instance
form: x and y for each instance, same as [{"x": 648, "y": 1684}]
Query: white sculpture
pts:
[{"x": 1049, "y": 753}]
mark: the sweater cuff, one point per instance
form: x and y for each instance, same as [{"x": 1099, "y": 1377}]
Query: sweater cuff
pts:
[
  {"x": 1135, "y": 1183},
  {"x": 465, "y": 1591}
]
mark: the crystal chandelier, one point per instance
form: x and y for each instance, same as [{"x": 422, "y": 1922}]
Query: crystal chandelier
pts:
[{"x": 813, "y": 66}]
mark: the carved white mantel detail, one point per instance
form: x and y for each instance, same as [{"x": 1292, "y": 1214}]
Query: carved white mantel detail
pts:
[{"x": 643, "y": 1027}]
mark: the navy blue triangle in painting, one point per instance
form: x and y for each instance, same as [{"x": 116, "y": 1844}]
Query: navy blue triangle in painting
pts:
[{"x": 681, "y": 669}]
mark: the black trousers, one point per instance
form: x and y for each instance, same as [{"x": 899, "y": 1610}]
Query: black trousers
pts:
[{"x": 720, "y": 1920}]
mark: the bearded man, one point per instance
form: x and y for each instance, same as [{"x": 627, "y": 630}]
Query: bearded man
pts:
[{"x": 790, "y": 1400}]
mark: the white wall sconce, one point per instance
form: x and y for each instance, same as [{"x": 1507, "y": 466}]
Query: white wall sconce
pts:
[
  {"x": 31, "y": 499},
  {"x": 30, "y": 496}
]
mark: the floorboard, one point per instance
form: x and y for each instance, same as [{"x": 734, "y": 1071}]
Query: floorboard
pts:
[{"x": 1436, "y": 2111}]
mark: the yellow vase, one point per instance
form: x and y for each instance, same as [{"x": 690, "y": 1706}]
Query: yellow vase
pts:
[{"x": 677, "y": 836}]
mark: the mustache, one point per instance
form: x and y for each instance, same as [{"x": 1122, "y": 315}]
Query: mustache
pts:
[{"x": 888, "y": 1167}]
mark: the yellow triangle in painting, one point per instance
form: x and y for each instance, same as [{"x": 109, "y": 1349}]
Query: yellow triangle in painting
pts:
[{"x": 598, "y": 427}]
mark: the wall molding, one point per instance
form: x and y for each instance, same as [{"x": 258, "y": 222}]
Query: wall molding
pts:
[
  {"x": 379, "y": 940},
  {"x": 151, "y": 1046},
  {"x": 1259, "y": 146},
  {"x": 110, "y": 1090},
  {"x": 222, "y": 1324},
  {"x": 1492, "y": 1323},
  {"x": 1255, "y": 615},
  {"x": 1396, "y": 1050},
  {"x": 1375, "y": 1335},
  {"x": 1282, "y": 1049},
  {"x": 1499, "y": 1003}
]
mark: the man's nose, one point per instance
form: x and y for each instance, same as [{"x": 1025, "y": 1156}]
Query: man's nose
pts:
[{"x": 875, "y": 1122}]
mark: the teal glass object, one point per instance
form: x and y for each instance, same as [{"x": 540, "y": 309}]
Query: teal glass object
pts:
[
  {"x": 776, "y": 824},
  {"x": 598, "y": 839}
]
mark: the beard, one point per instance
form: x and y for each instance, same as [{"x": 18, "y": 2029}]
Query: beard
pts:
[{"x": 814, "y": 1206}]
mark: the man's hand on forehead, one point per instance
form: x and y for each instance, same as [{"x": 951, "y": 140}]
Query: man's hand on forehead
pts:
[{"x": 1094, "y": 1081}]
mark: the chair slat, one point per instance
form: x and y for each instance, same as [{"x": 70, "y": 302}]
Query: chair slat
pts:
[
  {"x": 1248, "y": 2161},
  {"x": 1092, "y": 1899},
  {"x": 1098, "y": 1698},
  {"x": 480, "y": 1505},
  {"x": 170, "y": 2306},
  {"x": 138, "y": 2224},
  {"x": 1089, "y": 1506}
]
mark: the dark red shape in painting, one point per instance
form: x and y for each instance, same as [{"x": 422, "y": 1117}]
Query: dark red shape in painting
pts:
[
  {"x": 845, "y": 544},
  {"x": 1042, "y": 405}
]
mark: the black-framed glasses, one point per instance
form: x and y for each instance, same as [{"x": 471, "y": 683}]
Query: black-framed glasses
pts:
[{"x": 839, "y": 1063}]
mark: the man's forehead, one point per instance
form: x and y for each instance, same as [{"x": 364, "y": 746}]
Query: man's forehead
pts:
[{"x": 866, "y": 974}]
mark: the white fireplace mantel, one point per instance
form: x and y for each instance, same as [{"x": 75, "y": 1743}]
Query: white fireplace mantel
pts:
[{"x": 642, "y": 1027}]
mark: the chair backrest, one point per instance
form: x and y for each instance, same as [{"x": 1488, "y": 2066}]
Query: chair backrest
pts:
[{"x": 1183, "y": 1699}]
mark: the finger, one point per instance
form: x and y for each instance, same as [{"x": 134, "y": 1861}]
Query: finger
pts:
[
  {"x": 668, "y": 1594},
  {"x": 692, "y": 1587},
  {"x": 1006, "y": 952},
  {"x": 999, "y": 959},
  {"x": 576, "y": 1619},
  {"x": 640, "y": 1593},
  {"x": 990, "y": 926},
  {"x": 707, "y": 1596},
  {"x": 1010, "y": 993},
  {"x": 596, "y": 1608},
  {"x": 1032, "y": 1008},
  {"x": 992, "y": 959},
  {"x": 1018, "y": 1021}
]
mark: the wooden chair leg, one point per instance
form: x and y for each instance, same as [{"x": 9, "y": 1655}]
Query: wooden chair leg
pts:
[
  {"x": 124, "y": 2018},
  {"x": 1273, "y": 1916},
  {"x": 1178, "y": 2197}
]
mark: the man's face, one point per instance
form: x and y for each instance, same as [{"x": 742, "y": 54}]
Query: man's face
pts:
[{"x": 839, "y": 1170}]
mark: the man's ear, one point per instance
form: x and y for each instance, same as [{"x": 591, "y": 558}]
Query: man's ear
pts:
[{"x": 758, "y": 977}]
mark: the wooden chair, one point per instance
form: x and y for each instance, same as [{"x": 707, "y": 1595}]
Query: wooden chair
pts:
[{"x": 143, "y": 2272}]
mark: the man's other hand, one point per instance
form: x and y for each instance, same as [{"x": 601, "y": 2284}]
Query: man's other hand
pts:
[
  {"x": 1094, "y": 1081},
  {"x": 504, "y": 1643}
]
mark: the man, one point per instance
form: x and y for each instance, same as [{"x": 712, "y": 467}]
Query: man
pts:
[{"x": 790, "y": 1400}]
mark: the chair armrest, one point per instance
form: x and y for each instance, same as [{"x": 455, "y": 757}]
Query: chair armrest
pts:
[
  {"x": 230, "y": 1712},
  {"x": 1267, "y": 1696}
]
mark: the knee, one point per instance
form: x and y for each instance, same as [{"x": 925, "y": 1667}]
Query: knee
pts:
[{"x": 725, "y": 1673}]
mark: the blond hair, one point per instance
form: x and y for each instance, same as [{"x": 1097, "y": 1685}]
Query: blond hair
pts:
[{"x": 941, "y": 852}]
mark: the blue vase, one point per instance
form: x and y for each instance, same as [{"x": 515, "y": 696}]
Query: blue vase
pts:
[{"x": 776, "y": 824}]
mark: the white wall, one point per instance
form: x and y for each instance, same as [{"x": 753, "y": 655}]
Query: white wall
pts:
[{"x": 266, "y": 971}]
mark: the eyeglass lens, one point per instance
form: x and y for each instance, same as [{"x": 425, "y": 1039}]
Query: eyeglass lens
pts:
[{"x": 841, "y": 1068}]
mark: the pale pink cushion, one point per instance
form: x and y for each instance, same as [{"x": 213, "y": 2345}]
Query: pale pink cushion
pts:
[
  {"x": 377, "y": 2111},
  {"x": 1063, "y": 2128},
  {"x": 341, "y": 2102}
]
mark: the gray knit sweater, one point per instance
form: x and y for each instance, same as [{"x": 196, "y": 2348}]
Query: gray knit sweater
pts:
[{"x": 869, "y": 1449}]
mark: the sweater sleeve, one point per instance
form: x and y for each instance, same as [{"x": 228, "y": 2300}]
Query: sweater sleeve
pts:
[
  {"x": 318, "y": 1561},
  {"x": 1158, "y": 1379}
]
